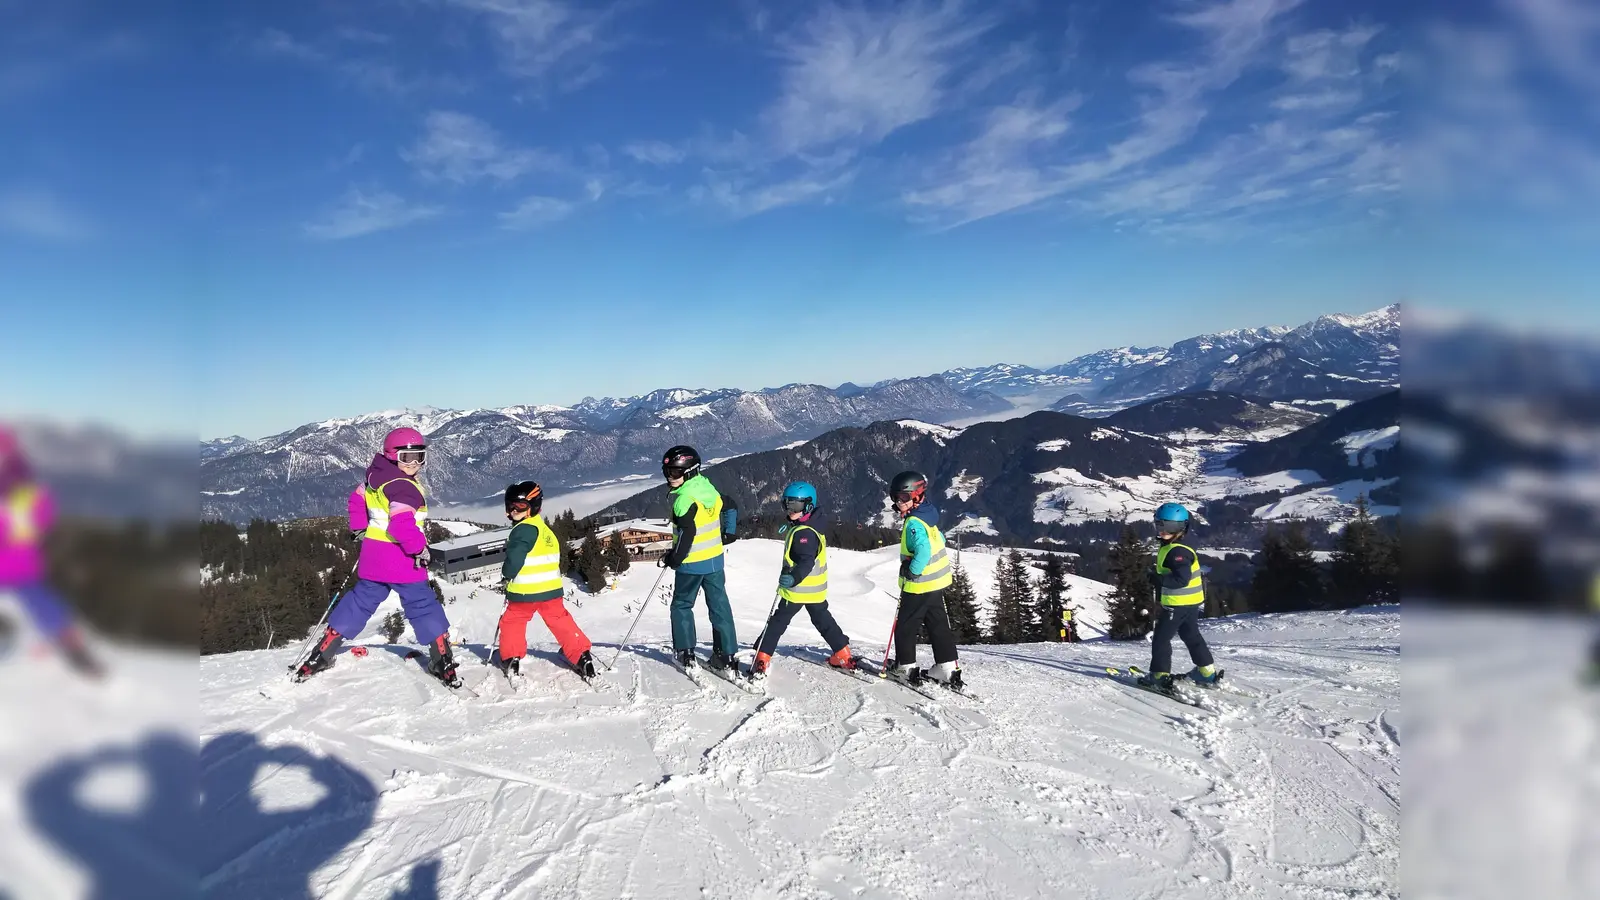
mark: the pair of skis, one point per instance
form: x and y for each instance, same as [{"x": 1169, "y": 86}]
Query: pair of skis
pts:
[{"x": 1132, "y": 675}]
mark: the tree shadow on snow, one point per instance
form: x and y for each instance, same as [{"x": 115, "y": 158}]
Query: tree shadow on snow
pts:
[
  {"x": 273, "y": 815},
  {"x": 125, "y": 815},
  {"x": 424, "y": 883}
]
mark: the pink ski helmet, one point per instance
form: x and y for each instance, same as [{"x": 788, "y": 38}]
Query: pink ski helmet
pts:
[{"x": 402, "y": 439}]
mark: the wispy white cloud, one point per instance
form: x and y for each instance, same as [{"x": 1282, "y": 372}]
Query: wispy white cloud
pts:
[
  {"x": 459, "y": 148},
  {"x": 348, "y": 53},
  {"x": 535, "y": 211},
  {"x": 362, "y": 212},
  {"x": 854, "y": 75},
  {"x": 558, "y": 44},
  {"x": 655, "y": 153},
  {"x": 999, "y": 170},
  {"x": 742, "y": 196},
  {"x": 36, "y": 212}
]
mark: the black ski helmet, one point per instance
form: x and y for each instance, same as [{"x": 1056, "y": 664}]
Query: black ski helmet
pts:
[
  {"x": 682, "y": 458},
  {"x": 909, "y": 482},
  {"x": 524, "y": 495}
]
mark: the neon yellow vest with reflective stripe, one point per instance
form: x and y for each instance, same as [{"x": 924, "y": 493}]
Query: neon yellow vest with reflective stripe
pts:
[
  {"x": 1191, "y": 594},
  {"x": 540, "y": 575},
  {"x": 707, "y": 518},
  {"x": 20, "y": 515},
  {"x": 814, "y": 587},
  {"x": 378, "y": 511},
  {"x": 936, "y": 575}
]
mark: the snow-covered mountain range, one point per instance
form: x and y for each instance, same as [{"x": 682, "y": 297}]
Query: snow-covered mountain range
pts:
[
  {"x": 306, "y": 470},
  {"x": 1020, "y": 478}
]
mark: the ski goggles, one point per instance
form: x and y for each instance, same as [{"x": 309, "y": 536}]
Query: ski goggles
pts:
[
  {"x": 406, "y": 455},
  {"x": 904, "y": 496},
  {"x": 796, "y": 504},
  {"x": 674, "y": 471},
  {"x": 1167, "y": 526}
]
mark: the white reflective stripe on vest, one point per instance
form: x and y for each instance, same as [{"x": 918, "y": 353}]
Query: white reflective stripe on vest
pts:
[
  {"x": 538, "y": 569},
  {"x": 932, "y": 570},
  {"x": 818, "y": 588}
]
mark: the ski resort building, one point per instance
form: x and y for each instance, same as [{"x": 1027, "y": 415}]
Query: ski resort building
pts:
[
  {"x": 469, "y": 556},
  {"x": 646, "y": 539}
]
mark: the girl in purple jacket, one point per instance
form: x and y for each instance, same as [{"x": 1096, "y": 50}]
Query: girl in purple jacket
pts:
[
  {"x": 387, "y": 514},
  {"x": 26, "y": 514}
]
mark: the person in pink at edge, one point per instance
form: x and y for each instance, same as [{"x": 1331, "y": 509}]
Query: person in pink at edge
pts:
[
  {"x": 388, "y": 514},
  {"x": 26, "y": 513}
]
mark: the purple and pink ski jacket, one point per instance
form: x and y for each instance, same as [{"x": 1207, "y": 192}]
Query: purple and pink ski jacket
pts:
[{"x": 381, "y": 560}]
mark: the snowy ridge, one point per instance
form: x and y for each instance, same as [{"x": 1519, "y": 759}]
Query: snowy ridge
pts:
[{"x": 1061, "y": 784}]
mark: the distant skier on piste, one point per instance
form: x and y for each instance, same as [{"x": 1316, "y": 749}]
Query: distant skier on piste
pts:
[
  {"x": 1177, "y": 578},
  {"x": 27, "y": 512},
  {"x": 802, "y": 583},
  {"x": 924, "y": 576},
  {"x": 700, "y": 526},
  {"x": 532, "y": 573},
  {"x": 388, "y": 514}
]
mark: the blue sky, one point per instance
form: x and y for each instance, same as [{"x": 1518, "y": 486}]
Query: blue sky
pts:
[{"x": 242, "y": 217}]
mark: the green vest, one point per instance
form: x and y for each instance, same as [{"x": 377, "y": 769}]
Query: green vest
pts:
[
  {"x": 1191, "y": 594},
  {"x": 936, "y": 575},
  {"x": 707, "y": 520},
  {"x": 814, "y": 587},
  {"x": 540, "y": 575}
]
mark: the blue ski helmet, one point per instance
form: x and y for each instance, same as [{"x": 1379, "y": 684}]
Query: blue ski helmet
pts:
[
  {"x": 800, "y": 497},
  {"x": 1173, "y": 513}
]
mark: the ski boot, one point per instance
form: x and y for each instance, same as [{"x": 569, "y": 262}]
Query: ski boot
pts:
[
  {"x": 686, "y": 660},
  {"x": 512, "y": 666},
  {"x": 1159, "y": 681},
  {"x": 944, "y": 672},
  {"x": 321, "y": 657},
  {"x": 908, "y": 673},
  {"x": 1206, "y": 679},
  {"x": 843, "y": 659},
  {"x": 725, "y": 663},
  {"x": 585, "y": 665},
  {"x": 758, "y": 669},
  {"x": 442, "y": 663}
]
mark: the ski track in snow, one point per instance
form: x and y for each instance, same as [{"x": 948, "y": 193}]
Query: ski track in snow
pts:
[{"x": 1060, "y": 783}]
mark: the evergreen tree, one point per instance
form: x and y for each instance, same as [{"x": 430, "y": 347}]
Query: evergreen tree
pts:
[
  {"x": 1132, "y": 605},
  {"x": 1287, "y": 576},
  {"x": 1013, "y": 600},
  {"x": 394, "y": 625},
  {"x": 1052, "y": 596},
  {"x": 1363, "y": 565},
  {"x": 591, "y": 563},
  {"x": 617, "y": 554},
  {"x": 961, "y": 603}
]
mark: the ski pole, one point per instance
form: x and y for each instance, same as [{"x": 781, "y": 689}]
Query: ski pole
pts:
[
  {"x": 643, "y": 605},
  {"x": 883, "y": 670},
  {"x": 489, "y": 660},
  {"x": 776, "y": 596},
  {"x": 306, "y": 647}
]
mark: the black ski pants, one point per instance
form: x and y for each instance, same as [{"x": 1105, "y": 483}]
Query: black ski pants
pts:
[
  {"x": 1183, "y": 621},
  {"x": 820, "y": 617},
  {"x": 915, "y": 610}
]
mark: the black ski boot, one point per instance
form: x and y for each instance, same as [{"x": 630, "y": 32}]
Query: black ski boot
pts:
[
  {"x": 512, "y": 666},
  {"x": 908, "y": 672},
  {"x": 321, "y": 657},
  {"x": 686, "y": 660},
  {"x": 442, "y": 663},
  {"x": 585, "y": 665},
  {"x": 724, "y": 663}
]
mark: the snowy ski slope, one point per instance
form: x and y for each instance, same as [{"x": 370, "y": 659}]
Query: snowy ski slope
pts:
[{"x": 372, "y": 782}]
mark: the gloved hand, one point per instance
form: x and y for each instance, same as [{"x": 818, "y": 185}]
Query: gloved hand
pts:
[
  {"x": 729, "y": 538},
  {"x": 786, "y": 581},
  {"x": 667, "y": 563},
  {"x": 356, "y": 535},
  {"x": 423, "y": 557},
  {"x": 500, "y": 587},
  {"x": 1154, "y": 574},
  {"x": 905, "y": 569}
]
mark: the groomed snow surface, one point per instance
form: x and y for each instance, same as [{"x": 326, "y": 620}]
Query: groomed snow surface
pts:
[{"x": 371, "y": 781}]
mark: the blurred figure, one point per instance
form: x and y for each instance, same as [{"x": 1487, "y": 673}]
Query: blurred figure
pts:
[
  {"x": 1594, "y": 649},
  {"x": 27, "y": 512}
]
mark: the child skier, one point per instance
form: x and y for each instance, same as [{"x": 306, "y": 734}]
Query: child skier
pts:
[
  {"x": 924, "y": 575},
  {"x": 802, "y": 584},
  {"x": 27, "y": 513},
  {"x": 1182, "y": 594},
  {"x": 700, "y": 526},
  {"x": 388, "y": 513},
  {"x": 532, "y": 573}
]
